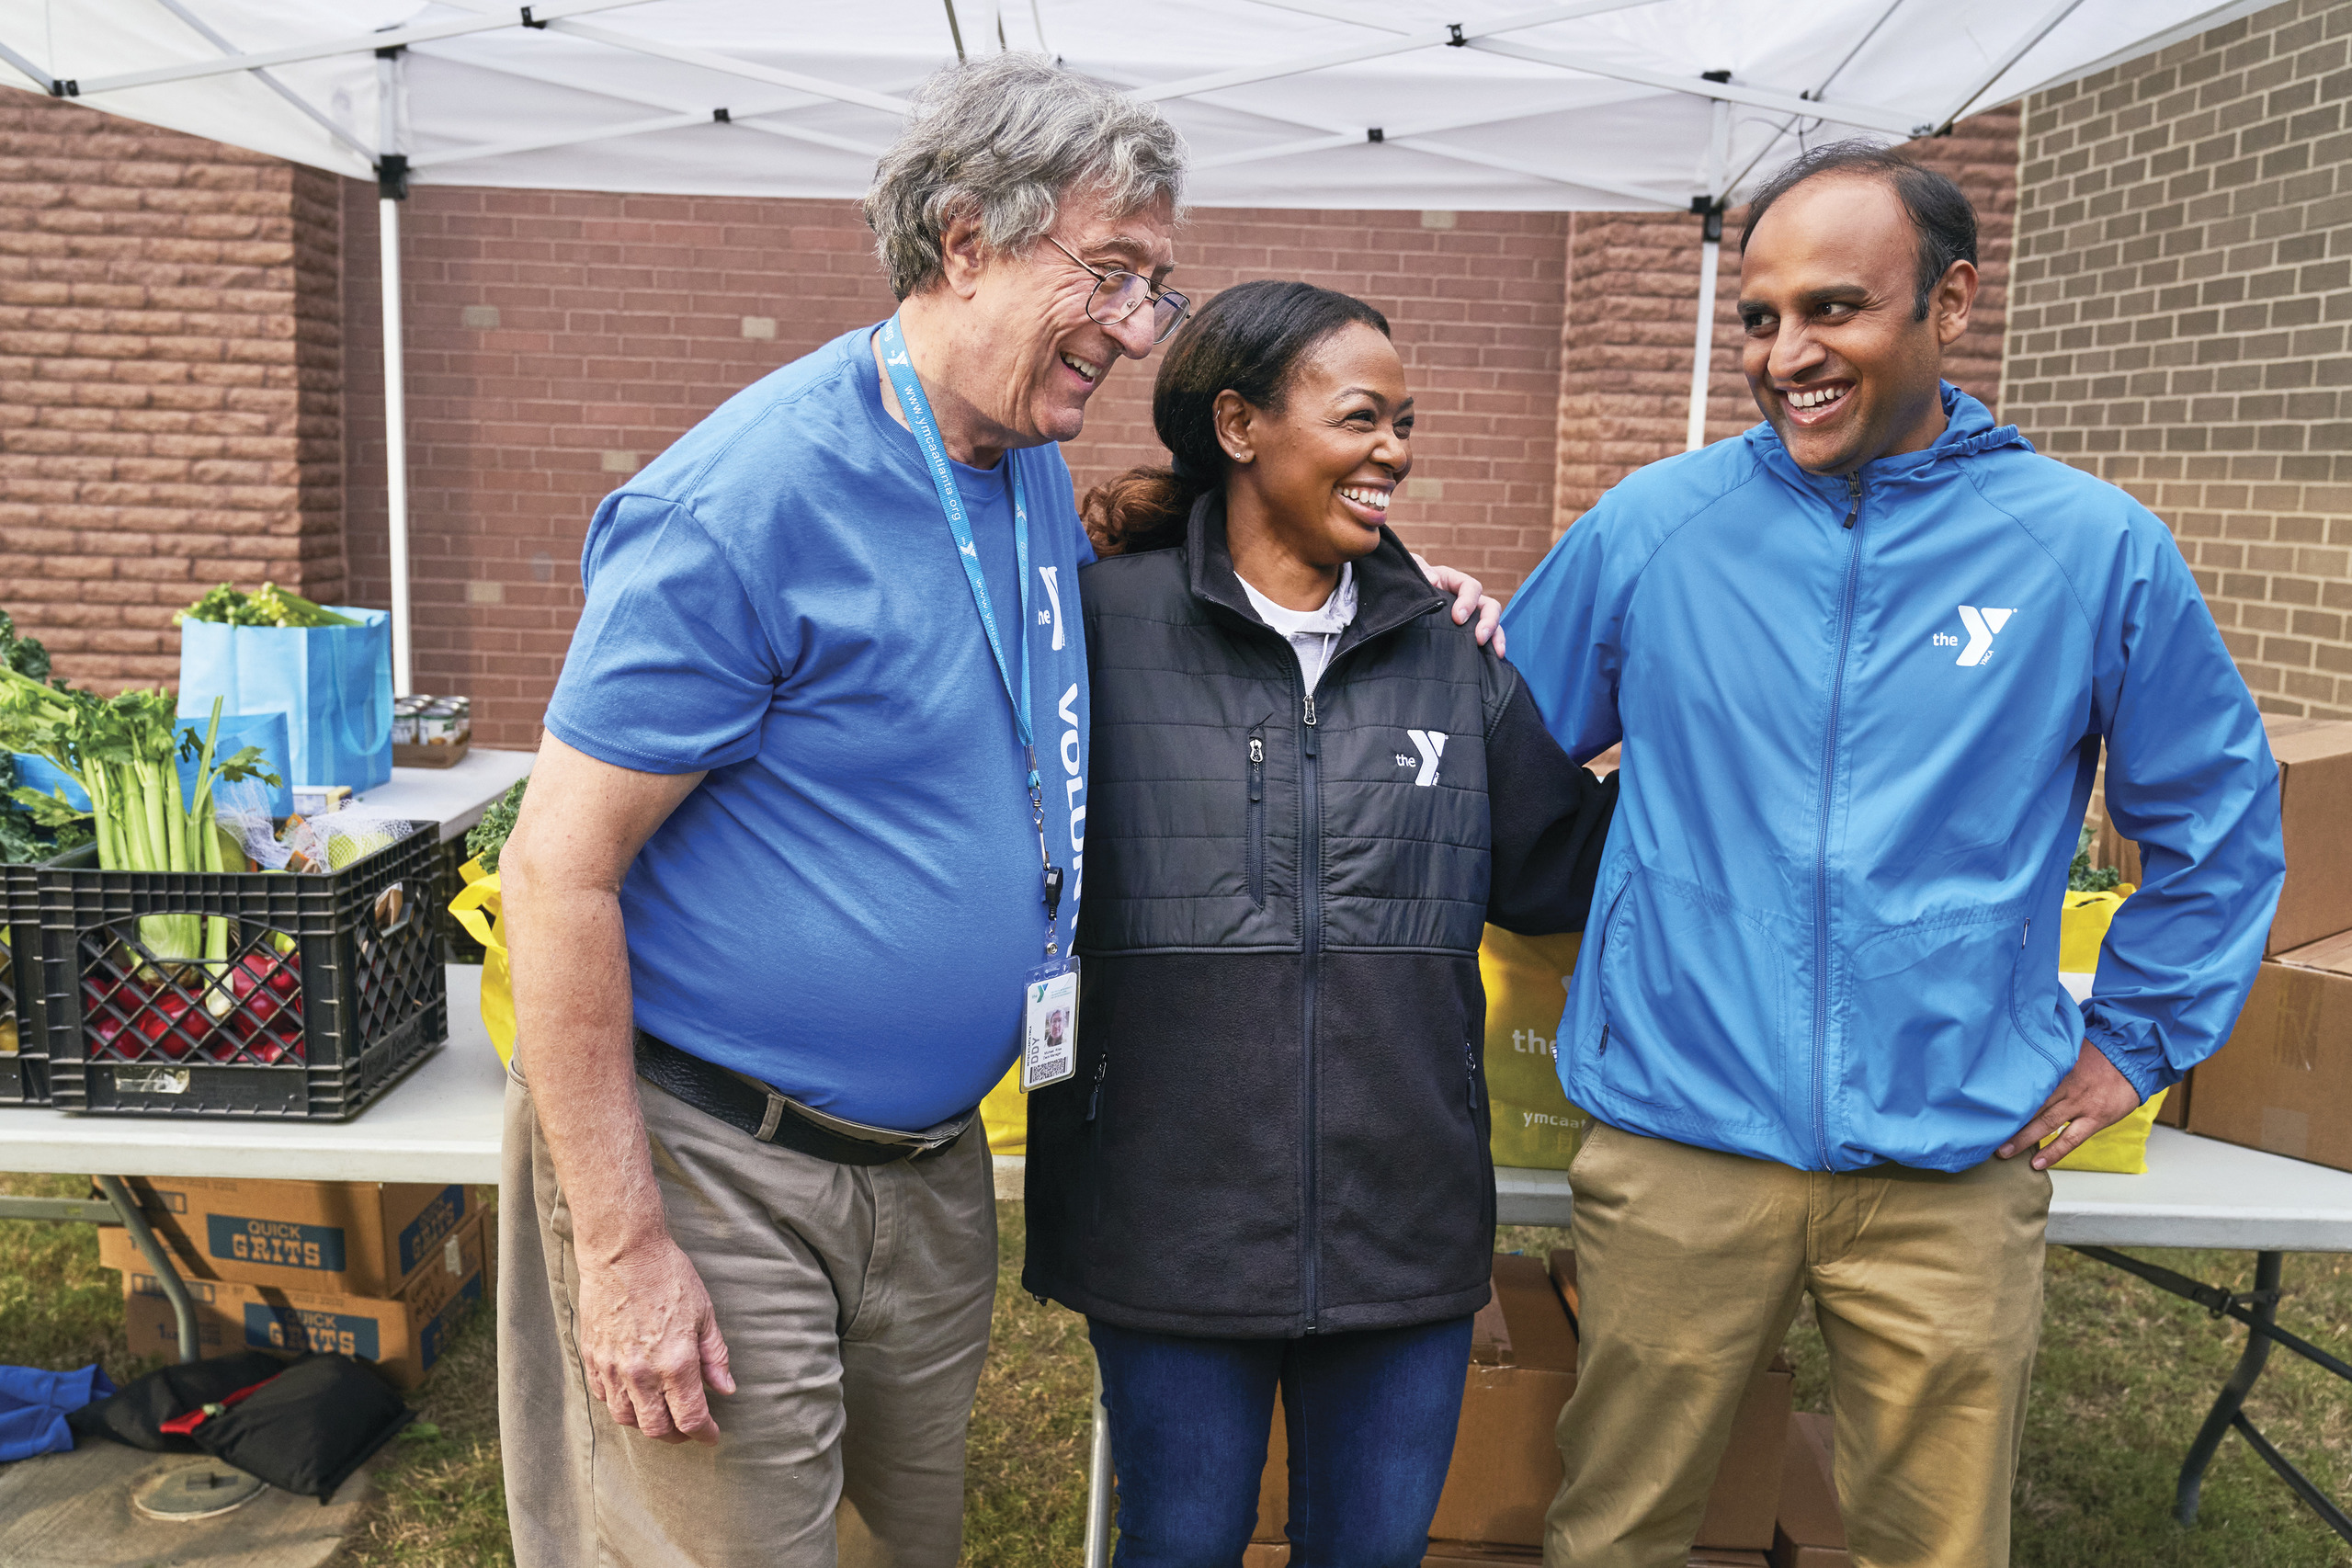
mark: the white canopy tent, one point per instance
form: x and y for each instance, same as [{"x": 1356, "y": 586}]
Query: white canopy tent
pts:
[{"x": 1598, "y": 104}]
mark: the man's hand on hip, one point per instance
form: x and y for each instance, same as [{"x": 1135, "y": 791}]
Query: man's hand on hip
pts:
[
  {"x": 649, "y": 1342},
  {"x": 2093, "y": 1095}
]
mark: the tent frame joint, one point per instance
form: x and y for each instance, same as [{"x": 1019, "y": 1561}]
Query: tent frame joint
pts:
[
  {"x": 64, "y": 88},
  {"x": 1459, "y": 39},
  {"x": 529, "y": 21},
  {"x": 1710, "y": 208},
  {"x": 391, "y": 177}
]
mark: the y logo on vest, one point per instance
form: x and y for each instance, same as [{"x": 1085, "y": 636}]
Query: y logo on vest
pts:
[
  {"x": 1983, "y": 626},
  {"x": 1431, "y": 746}
]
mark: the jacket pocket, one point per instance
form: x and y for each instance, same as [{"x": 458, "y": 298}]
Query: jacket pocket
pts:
[
  {"x": 1094, "y": 1132},
  {"x": 1482, "y": 1128},
  {"x": 1963, "y": 1051},
  {"x": 1694, "y": 1004},
  {"x": 1256, "y": 851}
]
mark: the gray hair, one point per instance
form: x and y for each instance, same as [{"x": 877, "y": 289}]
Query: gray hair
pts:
[{"x": 1006, "y": 138}]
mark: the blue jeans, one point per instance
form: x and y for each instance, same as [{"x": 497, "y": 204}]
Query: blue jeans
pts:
[{"x": 1370, "y": 1420}]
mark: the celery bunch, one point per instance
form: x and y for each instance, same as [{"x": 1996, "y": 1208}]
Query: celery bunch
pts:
[
  {"x": 122, "y": 752},
  {"x": 268, "y": 605}
]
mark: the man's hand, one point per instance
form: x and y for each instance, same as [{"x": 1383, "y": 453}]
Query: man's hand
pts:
[
  {"x": 1469, "y": 596},
  {"x": 649, "y": 1342},
  {"x": 2093, "y": 1096}
]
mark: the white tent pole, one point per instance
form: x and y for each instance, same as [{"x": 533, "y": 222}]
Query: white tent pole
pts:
[
  {"x": 1711, "y": 251},
  {"x": 392, "y": 184}
]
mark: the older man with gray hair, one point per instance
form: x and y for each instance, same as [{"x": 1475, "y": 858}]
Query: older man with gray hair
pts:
[{"x": 809, "y": 811}]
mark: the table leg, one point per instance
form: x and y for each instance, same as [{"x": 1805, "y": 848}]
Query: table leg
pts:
[
  {"x": 183, "y": 1309},
  {"x": 2267, "y": 1268},
  {"x": 1101, "y": 1484}
]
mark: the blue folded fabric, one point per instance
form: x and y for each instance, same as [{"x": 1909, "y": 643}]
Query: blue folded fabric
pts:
[{"x": 33, "y": 1406}]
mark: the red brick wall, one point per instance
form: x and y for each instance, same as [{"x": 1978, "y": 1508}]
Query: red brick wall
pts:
[
  {"x": 1633, "y": 296},
  {"x": 169, "y": 394},
  {"x": 620, "y": 322}
]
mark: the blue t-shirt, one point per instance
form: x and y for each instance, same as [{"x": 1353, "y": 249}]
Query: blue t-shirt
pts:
[{"x": 847, "y": 905}]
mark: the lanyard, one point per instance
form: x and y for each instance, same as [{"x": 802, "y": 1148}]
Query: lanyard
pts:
[{"x": 917, "y": 409}]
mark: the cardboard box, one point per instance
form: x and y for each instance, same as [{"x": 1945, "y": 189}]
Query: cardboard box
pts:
[
  {"x": 1810, "y": 1531},
  {"x": 403, "y": 1336},
  {"x": 1506, "y": 1467},
  {"x": 2315, "y": 816},
  {"x": 2281, "y": 1081},
  {"x": 346, "y": 1238}
]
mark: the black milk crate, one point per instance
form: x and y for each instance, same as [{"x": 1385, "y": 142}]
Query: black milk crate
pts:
[
  {"x": 332, "y": 990},
  {"x": 24, "y": 1043}
]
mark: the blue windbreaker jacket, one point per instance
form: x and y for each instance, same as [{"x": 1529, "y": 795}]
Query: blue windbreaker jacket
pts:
[{"x": 1825, "y": 931}]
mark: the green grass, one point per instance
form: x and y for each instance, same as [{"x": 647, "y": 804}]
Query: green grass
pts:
[{"x": 2125, "y": 1375}]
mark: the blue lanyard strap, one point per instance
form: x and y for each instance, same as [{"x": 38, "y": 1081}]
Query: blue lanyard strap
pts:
[{"x": 897, "y": 364}]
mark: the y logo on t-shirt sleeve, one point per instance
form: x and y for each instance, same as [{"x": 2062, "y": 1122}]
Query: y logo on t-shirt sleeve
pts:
[{"x": 1053, "y": 576}]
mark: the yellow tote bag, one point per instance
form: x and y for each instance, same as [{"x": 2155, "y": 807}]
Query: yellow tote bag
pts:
[
  {"x": 1005, "y": 1113},
  {"x": 477, "y": 909},
  {"x": 1535, "y": 1127},
  {"x": 2122, "y": 1149},
  {"x": 2082, "y": 926}
]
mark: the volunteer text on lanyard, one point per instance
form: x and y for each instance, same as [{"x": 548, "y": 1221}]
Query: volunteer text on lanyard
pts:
[{"x": 1050, "y": 996}]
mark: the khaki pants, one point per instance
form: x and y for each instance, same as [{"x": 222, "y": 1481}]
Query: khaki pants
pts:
[
  {"x": 1689, "y": 1264},
  {"x": 855, "y": 1301}
]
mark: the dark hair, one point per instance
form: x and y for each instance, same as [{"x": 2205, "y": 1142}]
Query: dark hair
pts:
[
  {"x": 1939, "y": 211},
  {"x": 1249, "y": 340}
]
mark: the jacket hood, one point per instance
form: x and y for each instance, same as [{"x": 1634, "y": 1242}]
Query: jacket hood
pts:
[{"x": 1969, "y": 432}]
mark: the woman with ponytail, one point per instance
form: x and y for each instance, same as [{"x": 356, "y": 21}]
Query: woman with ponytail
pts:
[{"x": 1310, "y": 791}]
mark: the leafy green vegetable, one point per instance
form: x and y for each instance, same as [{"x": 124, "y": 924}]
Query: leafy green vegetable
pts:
[
  {"x": 22, "y": 654},
  {"x": 23, "y": 838},
  {"x": 123, "y": 753},
  {"x": 2081, "y": 876},
  {"x": 268, "y": 605},
  {"x": 486, "y": 838}
]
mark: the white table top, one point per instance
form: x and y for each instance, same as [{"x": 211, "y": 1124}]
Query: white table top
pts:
[
  {"x": 2197, "y": 1192},
  {"x": 455, "y": 797},
  {"x": 441, "y": 1123}
]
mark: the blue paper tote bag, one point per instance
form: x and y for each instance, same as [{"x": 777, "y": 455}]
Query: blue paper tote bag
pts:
[{"x": 332, "y": 683}]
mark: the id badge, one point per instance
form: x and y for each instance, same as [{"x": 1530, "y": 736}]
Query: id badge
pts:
[{"x": 1049, "y": 1025}]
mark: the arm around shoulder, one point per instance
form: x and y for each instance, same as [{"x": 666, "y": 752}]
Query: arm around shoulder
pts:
[{"x": 1548, "y": 820}]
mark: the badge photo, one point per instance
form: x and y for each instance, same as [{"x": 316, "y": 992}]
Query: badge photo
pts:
[{"x": 1050, "y": 1025}]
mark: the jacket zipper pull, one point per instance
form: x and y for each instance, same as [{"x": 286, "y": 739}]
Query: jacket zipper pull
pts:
[
  {"x": 1853, "y": 498},
  {"x": 1310, "y": 710},
  {"x": 2027, "y": 935},
  {"x": 1604, "y": 1048},
  {"x": 1470, "y": 1059},
  {"x": 1095, "y": 1100}
]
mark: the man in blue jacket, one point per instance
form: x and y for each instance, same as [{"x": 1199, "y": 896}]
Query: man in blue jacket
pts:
[{"x": 1863, "y": 660}]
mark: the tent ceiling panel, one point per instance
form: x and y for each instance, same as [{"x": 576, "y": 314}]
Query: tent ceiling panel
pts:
[{"x": 1295, "y": 103}]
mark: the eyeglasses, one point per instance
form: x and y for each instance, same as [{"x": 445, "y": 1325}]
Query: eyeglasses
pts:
[{"x": 1118, "y": 293}]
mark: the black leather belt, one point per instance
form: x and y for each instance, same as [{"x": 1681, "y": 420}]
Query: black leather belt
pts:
[{"x": 757, "y": 1111}]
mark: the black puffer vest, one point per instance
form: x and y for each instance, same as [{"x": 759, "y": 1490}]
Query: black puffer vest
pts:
[{"x": 1278, "y": 1123}]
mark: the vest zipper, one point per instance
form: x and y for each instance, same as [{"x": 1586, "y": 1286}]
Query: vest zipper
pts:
[
  {"x": 1095, "y": 1146},
  {"x": 1256, "y": 850},
  {"x": 1310, "y": 947},
  {"x": 1821, "y": 842}
]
